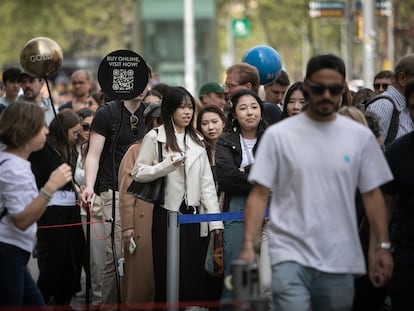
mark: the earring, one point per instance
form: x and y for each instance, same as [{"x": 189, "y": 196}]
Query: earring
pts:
[{"x": 233, "y": 123}]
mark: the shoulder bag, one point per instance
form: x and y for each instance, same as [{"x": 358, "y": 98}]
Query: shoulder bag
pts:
[{"x": 151, "y": 192}]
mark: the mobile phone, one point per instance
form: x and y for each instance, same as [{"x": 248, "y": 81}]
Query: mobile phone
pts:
[
  {"x": 132, "y": 246},
  {"x": 178, "y": 158}
]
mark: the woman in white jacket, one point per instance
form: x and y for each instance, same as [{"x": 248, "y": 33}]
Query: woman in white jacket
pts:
[{"x": 189, "y": 188}]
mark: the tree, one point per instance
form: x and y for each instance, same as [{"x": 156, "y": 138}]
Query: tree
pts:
[{"x": 81, "y": 28}]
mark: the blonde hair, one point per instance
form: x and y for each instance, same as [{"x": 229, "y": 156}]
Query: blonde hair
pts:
[{"x": 353, "y": 113}]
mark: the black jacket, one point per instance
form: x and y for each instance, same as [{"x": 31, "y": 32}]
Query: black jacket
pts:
[{"x": 228, "y": 159}]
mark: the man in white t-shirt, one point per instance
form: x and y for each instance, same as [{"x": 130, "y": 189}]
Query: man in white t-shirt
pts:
[{"x": 313, "y": 163}]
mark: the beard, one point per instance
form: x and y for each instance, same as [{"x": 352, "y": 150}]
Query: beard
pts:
[{"x": 325, "y": 107}]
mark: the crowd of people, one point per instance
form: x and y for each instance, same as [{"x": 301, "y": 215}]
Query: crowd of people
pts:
[{"x": 332, "y": 167}]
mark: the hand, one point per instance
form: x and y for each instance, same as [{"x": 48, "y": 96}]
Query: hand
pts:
[
  {"x": 127, "y": 234},
  {"x": 247, "y": 253},
  {"x": 380, "y": 267},
  {"x": 87, "y": 194},
  {"x": 59, "y": 177},
  {"x": 177, "y": 159}
]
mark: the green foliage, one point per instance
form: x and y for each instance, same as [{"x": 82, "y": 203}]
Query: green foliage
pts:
[
  {"x": 87, "y": 27},
  {"x": 286, "y": 26}
]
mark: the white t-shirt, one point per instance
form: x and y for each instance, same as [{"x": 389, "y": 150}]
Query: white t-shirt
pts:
[
  {"x": 17, "y": 190},
  {"x": 314, "y": 169}
]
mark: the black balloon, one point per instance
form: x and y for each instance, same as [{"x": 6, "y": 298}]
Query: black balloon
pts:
[{"x": 41, "y": 57}]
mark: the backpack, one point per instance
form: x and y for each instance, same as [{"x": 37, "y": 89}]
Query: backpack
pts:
[{"x": 395, "y": 118}]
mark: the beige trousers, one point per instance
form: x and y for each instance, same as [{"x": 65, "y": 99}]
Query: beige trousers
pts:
[{"x": 109, "y": 284}]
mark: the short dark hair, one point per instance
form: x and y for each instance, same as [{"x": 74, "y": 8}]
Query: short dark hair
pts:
[
  {"x": 325, "y": 61},
  {"x": 84, "y": 113},
  {"x": 11, "y": 74},
  {"x": 282, "y": 79},
  {"x": 384, "y": 74},
  {"x": 20, "y": 122}
]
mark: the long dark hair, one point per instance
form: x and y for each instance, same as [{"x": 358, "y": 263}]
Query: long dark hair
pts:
[
  {"x": 213, "y": 109},
  {"x": 58, "y": 137},
  {"x": 232, "y": 125},
  {"x": 297, "y": 86},
  {"x": 172, "y": 99}
]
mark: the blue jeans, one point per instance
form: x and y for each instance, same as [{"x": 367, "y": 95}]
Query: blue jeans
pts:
[
  {"x": 17, "y": 286},
  {"x": 296, "y": 287},
  {"x": 232, "y": 240}
]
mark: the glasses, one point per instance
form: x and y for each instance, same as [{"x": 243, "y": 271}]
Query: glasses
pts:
[
  {"x": 86, "y": 127},
  {"x": 230, "y": 86},
  {"x": 319, "y": 89},
  {"x": 133, "y": 122},
  {"x": 384, "y": 86}
]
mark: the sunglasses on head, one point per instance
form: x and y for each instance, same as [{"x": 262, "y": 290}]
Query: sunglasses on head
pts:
[
  {"x": 377, "y": 86},
  {"x": 319, "y": 89},
  {"x": 86, "y": 127},
  {"x": 133, "y": 122}
]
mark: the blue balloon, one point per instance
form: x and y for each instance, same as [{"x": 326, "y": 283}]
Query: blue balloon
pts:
[{"x": 267, "y": 61}]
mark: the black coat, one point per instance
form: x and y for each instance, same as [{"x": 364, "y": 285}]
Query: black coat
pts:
[{"x": 228, "y": 159}]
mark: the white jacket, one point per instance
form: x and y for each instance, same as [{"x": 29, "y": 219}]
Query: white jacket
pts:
[{"x": 201, "y": 190}]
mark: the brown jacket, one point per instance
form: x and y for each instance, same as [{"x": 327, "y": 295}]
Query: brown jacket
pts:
[{"x": 137, "y": 284}]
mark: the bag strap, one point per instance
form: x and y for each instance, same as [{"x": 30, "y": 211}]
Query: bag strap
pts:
[
  {"x": 159, "y": 148},
  {"x": 395, "y": 118}
]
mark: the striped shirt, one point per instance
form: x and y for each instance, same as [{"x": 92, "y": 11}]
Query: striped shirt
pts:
[{"x": 383, "y": 108}]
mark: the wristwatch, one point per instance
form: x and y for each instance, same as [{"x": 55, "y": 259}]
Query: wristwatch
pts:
[{"x": 384, "y": 245}]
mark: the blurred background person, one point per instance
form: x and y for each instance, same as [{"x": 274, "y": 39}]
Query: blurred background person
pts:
[
  {"x": 81, "y": 81},
  {"x": 361, "y": 97},
  {"x": 11, "y": 85},
  {"x": 59, "y": 249},
  {"x": 294, "y": 100},
  {"x": 96, "y": 100},
  {"x": 212, "y": 93},
  {"x": 275, "y": 91},
  {"x": 382, "y": 80},
  {"x": 32, "y": 92}
]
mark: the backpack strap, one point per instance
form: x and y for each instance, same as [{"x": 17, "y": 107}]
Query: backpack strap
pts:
[
  {"x": 116, "y": 120},
  {"x": 395, "y": 118}
]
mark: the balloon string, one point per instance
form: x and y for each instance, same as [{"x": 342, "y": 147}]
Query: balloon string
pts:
[{"x": 51, "y": 98}]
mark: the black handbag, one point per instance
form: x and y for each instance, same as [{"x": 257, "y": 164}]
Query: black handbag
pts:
[{"x": 151, "y": 192}]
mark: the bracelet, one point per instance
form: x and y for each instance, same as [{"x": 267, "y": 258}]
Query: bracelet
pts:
[
  {"x": 384, "y": 245},
  {"x": 45, "y": 195}
]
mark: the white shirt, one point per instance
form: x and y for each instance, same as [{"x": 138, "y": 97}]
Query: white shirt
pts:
[
  {"x": 314, "y": 169},
  {"x": 18, "y": 189}
]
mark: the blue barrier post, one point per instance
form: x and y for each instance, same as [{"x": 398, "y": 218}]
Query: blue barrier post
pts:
[{"x": 173, "y": 259}]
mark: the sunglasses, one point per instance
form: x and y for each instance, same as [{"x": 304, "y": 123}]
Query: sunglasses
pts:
[
  {"x": 153, "y": 103},
  {"x": 133, "y": 122},
  {"x": 384, "y": 86},
  {"x": 86, "y": 127},
  {"x": 319, "y": 89}
]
